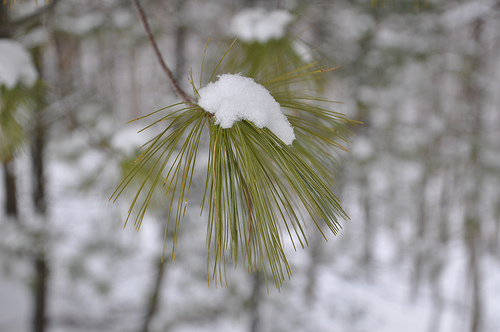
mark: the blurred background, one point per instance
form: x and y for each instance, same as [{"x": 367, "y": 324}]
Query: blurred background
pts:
[{"x": 421, "y": 183}]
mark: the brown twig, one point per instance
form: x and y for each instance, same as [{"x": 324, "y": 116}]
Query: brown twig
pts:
[{"x": 181, "y": 93}]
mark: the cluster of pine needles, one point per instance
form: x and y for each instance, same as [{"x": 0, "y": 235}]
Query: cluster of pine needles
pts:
[{"x": 256, "y": 186}]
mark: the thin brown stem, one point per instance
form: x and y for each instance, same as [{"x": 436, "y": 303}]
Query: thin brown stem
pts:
[{"x": 181, "y": 93}]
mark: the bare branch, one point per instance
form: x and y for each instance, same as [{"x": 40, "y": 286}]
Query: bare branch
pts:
[{"x": 181, "y": 93}]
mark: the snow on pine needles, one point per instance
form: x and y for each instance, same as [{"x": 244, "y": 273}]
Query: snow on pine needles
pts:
[{"x": 235, "y": 97}]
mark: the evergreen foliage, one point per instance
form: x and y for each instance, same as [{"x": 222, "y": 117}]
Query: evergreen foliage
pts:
[
  {"x": 15, "y": 114},
  {"x": 255, "y": 183}
]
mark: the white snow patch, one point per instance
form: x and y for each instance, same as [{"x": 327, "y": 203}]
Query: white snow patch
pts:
[
  {"x": 14, "y": 312},
  {"x": 122, "y": 18},
  {"x": 127, "y": 140},
  {"x": 35, "y": 37},
  {"x": 235, "y": 97},
  {"x": 257, "y": 24},
  {"x": 83, "y": 24},
  {"x": 16, "y": 65},
  {"x": 362, "y": 148}
]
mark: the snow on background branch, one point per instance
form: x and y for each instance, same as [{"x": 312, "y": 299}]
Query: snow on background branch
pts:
[
  {"x": 257, "y": 24},
  {"x": 16, "y": 65}
]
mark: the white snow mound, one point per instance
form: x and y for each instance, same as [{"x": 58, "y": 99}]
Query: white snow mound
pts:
[
  {"x": 16, "y": 65},
  {"x": 257, "y": 24},
  {"x": 235, "y": 97}
]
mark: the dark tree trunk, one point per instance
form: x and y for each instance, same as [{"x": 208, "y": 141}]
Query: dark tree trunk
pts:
[
  {"x": 248, "y": 3},
  {"x": 316, "y": 244},
  {"x": 5, "y": 30},
  {"x": 40, "y": 293},
  {"x": 38, "y": 171},
  {"x": 154, "y": 296},
  {"x": 254, "y": 302},
  {"x": 41, "y": 278},
  {"x": 40, "y": 260},
  {"x": 473, "y": 222},
  {"x": 10, "y": 190},
  {"x": 421, "y": 222},
  {"x": 369, "y": 227},
  {"x": 180, "y": 42}
]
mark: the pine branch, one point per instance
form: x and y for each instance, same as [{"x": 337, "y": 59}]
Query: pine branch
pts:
[
  {"x": 181, "y": 93},
  {"x": 255, "y": 183}
]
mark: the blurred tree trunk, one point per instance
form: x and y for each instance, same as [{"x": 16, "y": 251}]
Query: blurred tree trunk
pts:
[
  {"x": 314, "y": 262},
  {"x": 40, "y": 293},
  {"x": 153, "y": 303},
  {"x": 472, "y": 219},
  {"x": 181, "y": 35},
  {"x": 421, "y": 222},
  {"x": 255, "y": 319},
  {"x": 180, "y": 42},
  {"x": 41, "y": 266},
  {"x": 67, "y": 48},
  {"x": 5, "y": 29},
  {"x": 248, "y": 3},
  {"x": 180, "y": 53},
  {"x": 10, "y": 190},
  {"x": 443, "y": 206},
  {"x": 368, "y": 231},
  {"x": 135, "y": 94}
]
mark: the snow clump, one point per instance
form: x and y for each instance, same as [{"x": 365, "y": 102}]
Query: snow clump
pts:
[
  {"x": 257, "y": 24},
  {"x": 16, "y": 65},
  {"x": 235, "y": 97}
]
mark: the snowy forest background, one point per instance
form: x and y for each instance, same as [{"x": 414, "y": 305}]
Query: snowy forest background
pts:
[{"x": 421, "y": 184}]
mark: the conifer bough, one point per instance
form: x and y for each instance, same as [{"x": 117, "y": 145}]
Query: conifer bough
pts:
[{"x": 257, "y": 181}]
